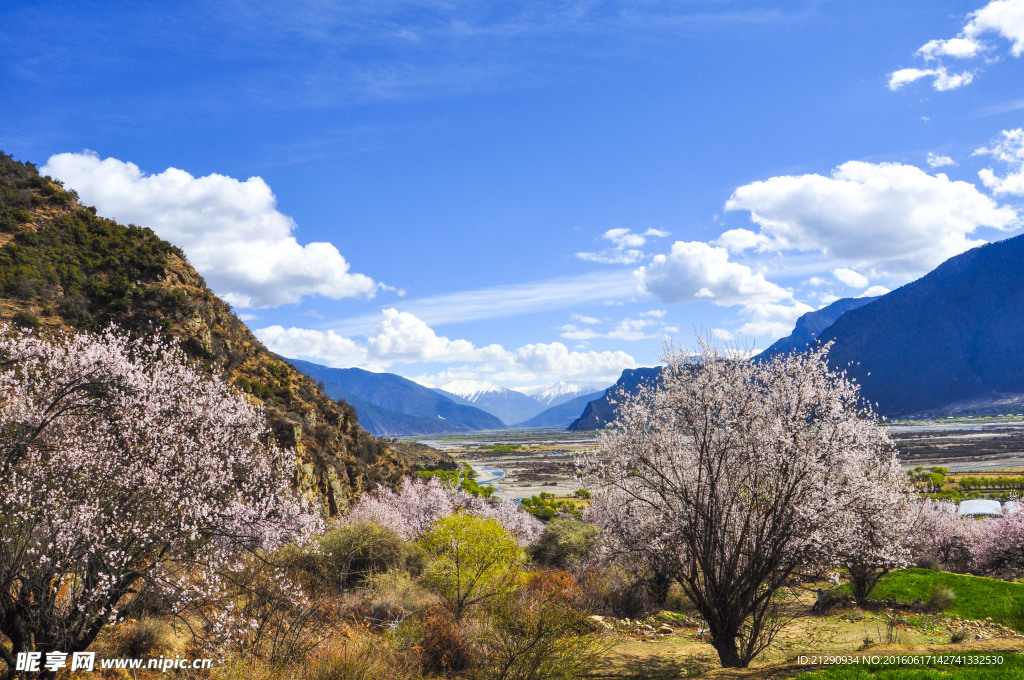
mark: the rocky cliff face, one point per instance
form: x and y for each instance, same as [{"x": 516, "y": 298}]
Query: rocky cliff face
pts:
[{"x": 64, "y": 268}]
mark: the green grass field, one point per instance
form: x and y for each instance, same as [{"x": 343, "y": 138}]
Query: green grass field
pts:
[
  {"x": 976, "y": 597},
  {"x": 1012, "y": 668}
]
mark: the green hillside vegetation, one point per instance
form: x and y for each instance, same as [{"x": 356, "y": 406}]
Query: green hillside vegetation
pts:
[
  {"x": 977, "y": 597},
  {"x": 464, "y": 477},
  {"x": 63, "y": 267}
]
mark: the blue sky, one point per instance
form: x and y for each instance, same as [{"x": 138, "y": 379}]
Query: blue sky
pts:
[{"x": 531, "y": 191}]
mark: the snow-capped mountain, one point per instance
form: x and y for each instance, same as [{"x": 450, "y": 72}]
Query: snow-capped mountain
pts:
[
  {"x": 471, "y": 390},
  {"x": 560, "y": 392},
  {"x": 509, "y": 405}
]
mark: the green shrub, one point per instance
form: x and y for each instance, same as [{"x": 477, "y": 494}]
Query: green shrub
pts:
[
  {"x": 536, "y": 634},
  {"x": 941, "y": 599},
  {"x": 565, "y": 543},
  {"x": 393, "y": 595},
  {"x": 471, "y": 560},
  {"x": 25, "y": 319},
  {"x": 346, "y": 555},
  {"x": 546, "y": 507},
  {"x": 463, "y": 477}
]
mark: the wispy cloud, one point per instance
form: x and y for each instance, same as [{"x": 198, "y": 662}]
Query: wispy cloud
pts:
[{"x": 497, "y": 302}]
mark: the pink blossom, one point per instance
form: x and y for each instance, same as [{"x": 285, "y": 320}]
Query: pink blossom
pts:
[{"x": 120, "y": 463}]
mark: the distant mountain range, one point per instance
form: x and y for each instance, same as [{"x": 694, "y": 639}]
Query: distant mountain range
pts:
[
  {"x": 563, "y": 412},
  {"x": 390, "y": 405},
  {"x": 952, "y": 340},
  {"x": 508, "y": 405},
  {"x": 562, "y": 392}
]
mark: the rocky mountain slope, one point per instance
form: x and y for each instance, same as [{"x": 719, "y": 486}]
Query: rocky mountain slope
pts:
[
  {"x": 601, "y": 411},
  {"x": 955, "y": 335},
  {"x": 810, "y": 325},
  {"x": 64, "y": 268}
]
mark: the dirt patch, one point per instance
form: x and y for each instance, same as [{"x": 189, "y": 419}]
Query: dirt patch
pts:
[{"x": 685, "y": 652}]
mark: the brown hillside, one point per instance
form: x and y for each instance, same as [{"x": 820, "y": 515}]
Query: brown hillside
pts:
[{"x": 64, "y": 268}]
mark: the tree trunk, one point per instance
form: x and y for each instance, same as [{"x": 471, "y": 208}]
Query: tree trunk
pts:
[{"x": 728, "y": 652}]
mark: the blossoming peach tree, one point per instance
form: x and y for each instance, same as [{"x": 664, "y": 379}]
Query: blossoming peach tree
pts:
[
  {"x": 414, "y": 509},
  {"x": 735, "y": 476},
  {"x": 121, "y": 465}
]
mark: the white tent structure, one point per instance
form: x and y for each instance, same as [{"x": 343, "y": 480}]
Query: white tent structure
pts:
[{"x": 981, "y": 507}]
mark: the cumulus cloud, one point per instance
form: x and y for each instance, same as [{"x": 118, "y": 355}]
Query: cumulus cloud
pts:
[
  {"x": 327, "y": 346},
  {"x": 772, "y": 320},
  {"x": 850, "y": 278},
  {"x": 625, "y": 248},
  {"x": 231, "y": 230},
  {"x": 1003, "y": 18},
  {"x": 400, "y": 338},
  {"x": 937, "y": 161},
  {"x": 887, "y": 218},
  {"x": 874, "y": 291},
  {"x": 1009, "y": 149},
  {"x": 694, "y": 270}
]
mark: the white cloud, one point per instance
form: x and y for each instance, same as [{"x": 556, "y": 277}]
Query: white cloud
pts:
[
  {"x": 554, "y": 359},
  {"x": 942, "y": 79},
  {"x": 850, "y": 278},
  {"x": 721, "y": 334},
  {"x": 738, "y": 240},
  {"x": 327, "y": 346},
  {"x": 625, "y": 246},
  {"x": 937, "y": 161},
  {"x": 886, "y": 218},
  {"x": 960, "y": 48},
  {"x": 874, "y": 291},
  {"x": 647, "y": 326},
  {"x": 231, "y": 230},
  {"x": 402, "y": 338},
  {"x": 1010, "y": 150},
  {"x": 591, "y": 320},
  {"x": 1004, "y": 18},
  {"x": 772, "y": 320},
  {"x": 694, "y": 270}
]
